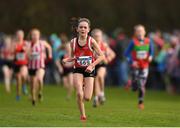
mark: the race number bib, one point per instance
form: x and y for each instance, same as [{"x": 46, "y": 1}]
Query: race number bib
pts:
[
  {"x": 35, "y": 56},
  {"x": 20, "y": 56},
  {"x": 84, "y": 61},
  {"x": 141, "y": 54}
]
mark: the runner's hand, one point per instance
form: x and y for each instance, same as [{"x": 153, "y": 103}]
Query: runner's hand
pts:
[
  {"x": 61, "y": 70},
  {"x": 150, "y": 58},
  {"x": 90, "y": 68},
  {"x": 135, "y": 64}
]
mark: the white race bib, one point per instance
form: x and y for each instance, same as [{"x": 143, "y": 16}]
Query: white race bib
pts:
[
  {"x": 20, "y": 56},
  {"x": 35, "y": 56},
  {"x": 84, "y": 60},
  {"x": 141, "y": 54}
]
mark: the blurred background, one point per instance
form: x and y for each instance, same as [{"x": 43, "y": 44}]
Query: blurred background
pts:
[
  {"x": 53, "y": 15},
  {"x": 116, "y": 18}
]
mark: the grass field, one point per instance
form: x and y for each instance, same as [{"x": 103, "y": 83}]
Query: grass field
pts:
[{"x": 120, "y": 109}]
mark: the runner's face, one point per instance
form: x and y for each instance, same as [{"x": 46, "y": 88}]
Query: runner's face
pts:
[
  {"x": 20, "y": 35},
  {"x": 98, "y": 36},
  {"x": 140, "y": 32},
  {"x": 83, "y": 28},
  {"x": 35, "y": 35}
]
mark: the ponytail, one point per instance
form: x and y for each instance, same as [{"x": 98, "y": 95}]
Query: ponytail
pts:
[
  {"x": 75, "y": 22},
  {"x": 74, "y": 25}
]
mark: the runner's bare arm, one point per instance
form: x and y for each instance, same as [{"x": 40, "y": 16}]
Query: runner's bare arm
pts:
[
  {"x": 48, "y": 46},
  {"x": 110, "y": 54},
  {"x": 70, "y": 53},
  {"x": 100, "y": 55}
]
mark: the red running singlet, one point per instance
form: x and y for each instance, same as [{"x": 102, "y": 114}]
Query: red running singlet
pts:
[{"x": 83, "y": 54}]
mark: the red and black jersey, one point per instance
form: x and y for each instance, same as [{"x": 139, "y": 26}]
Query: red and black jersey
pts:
[
  {"x": 83, "y": 54},
  {"x": 20, "y": 54}
]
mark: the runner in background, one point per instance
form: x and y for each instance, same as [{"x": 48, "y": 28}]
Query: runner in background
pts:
[
  {"x": 36, "y": 64},
  {"x": 109, "y": 54},
  {"x": 7, "y": 58},
  {"x": 20, "y": 63},
  {"x": 139, "y": 54}
]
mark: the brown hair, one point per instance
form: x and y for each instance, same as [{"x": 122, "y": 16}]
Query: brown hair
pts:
[
  {"x": 34, "y": 29},
  {"x": 19, "y": 30},
  {"x": 96, "y": 30},
  {"x": 84, "y": 20},
  {"x": 137, "y": 26},
  {"x": 29, "y": 34},
  {"x": 75, "y": 23}
]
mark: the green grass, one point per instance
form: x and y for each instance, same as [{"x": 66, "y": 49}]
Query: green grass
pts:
[{"x": 120, "y": 109}]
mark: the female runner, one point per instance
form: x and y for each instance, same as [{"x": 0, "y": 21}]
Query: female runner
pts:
[
  {"x": 99, "y": 98},
  {"x": 21, "y": 61},
  {"x": 7, "y": 56},
  {"x": 36, "y": 63},
  {"x": 82, "y": 49}
]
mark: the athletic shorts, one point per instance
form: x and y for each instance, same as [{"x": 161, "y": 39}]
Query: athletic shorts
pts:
[
  {"x": 139, "y": 78},
  {"x": 1, "y": 62},
  {"x": 67, "y": 71},
  {"x": 32, "y": 72},
  {"x": 8, "y": 63},
  {"x": 99, "y": 66},
  {"x": 140, "y": 73},
  {"x": 82, "y": 71},
  {"x": 17, "y": 68}
]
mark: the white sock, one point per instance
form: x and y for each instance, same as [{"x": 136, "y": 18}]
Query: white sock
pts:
[
  {"x": 102, "y": 94},
  {"x": 96, "y": 98}
]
